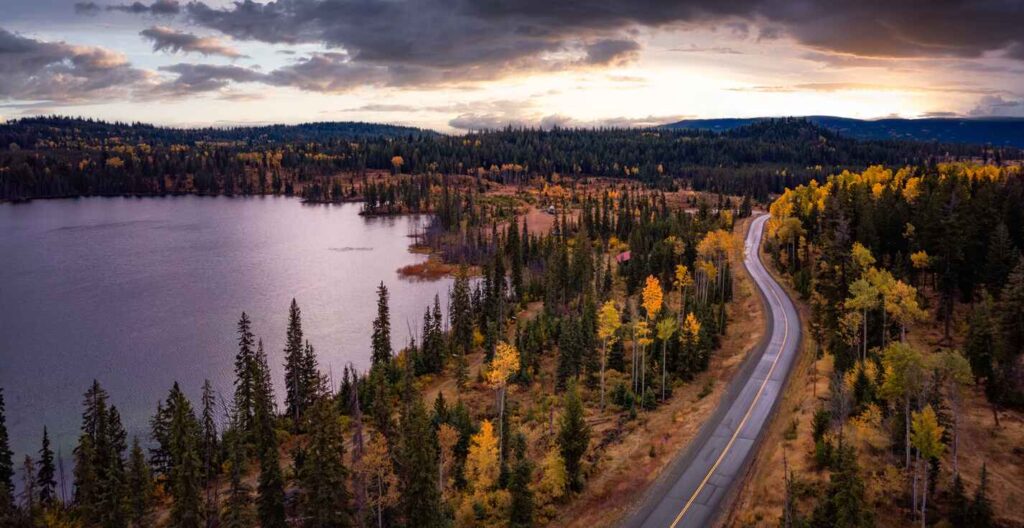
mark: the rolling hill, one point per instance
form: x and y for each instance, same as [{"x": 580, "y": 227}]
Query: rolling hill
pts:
[{"x": 996, "y": 131}]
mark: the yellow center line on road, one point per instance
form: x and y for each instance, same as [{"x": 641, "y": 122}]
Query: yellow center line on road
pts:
[{"x": 750, "y": 410}]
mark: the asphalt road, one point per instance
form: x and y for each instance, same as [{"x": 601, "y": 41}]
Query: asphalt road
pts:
[{"x": 693, "y": 489}]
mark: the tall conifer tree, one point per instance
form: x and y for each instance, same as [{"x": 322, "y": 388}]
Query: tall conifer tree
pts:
[
  {"x": 381, "y": 338},
  {"x": 45, "y": 479}
]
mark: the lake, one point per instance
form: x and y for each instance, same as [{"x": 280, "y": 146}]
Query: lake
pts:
[{"x": 140, "y": 292}]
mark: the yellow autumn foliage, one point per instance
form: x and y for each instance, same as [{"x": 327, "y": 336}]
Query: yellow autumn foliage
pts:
[{"x": 653, "y": 296}]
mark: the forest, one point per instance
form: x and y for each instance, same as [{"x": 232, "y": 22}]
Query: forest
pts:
[
  {"x": 62, "y": 157},
  {"x": 915, "y": 283},
  {"x": 554, "y": 344}
]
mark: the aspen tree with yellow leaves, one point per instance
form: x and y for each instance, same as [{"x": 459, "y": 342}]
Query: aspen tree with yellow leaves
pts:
[
  {"x": 652, "y": 299},
  {"x": 609, "y": 322},
  {"x": 504, "y": 364}
]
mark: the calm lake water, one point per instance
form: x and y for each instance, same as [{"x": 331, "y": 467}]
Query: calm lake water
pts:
[{"x": 138, "y": 293}]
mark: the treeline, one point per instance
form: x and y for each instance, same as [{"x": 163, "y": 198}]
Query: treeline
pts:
[
  {"x": 878, "y": 254},
  {"x": 49, "y": 157},
  {"x": 613, "y": 326}
]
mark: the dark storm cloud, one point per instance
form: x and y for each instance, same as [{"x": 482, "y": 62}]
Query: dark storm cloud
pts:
[
  {"x": 611, "y": 51},
  {"x": 159, "y": 8},
  {"x": 34, "y": 70},
  {"x": 198, "y": 78},
  {"x": 167, "y": 39},
  {"x": 87, "y": 8},
  {"x": 452, "y": 33}
]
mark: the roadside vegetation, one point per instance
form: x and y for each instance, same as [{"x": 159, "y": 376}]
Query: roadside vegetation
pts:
[{"x": 908, "y": 410}]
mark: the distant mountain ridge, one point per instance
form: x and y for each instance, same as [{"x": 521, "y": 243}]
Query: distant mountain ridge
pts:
[{"x": 996, "y": 131}]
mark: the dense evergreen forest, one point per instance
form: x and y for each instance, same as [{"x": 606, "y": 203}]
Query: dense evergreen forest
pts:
[
  {"x": 553, "y": 328},
  {"x": 55, "y": 157},
  {"x": 916, "y": 286}
]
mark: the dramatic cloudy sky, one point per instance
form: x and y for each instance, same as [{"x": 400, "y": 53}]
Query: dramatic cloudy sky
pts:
[{"x": 455, "y": 65}]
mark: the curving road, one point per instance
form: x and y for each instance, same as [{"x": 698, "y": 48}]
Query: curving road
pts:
[{"x": 692, "y": 491}]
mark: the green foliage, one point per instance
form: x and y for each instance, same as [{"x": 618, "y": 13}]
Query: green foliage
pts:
[
  {"x": 573, "y": 437},
  {"x": 45, "y": 482},
  {"x": 381, "y": 337},
  {"x": 186, "y": 475},
  {"x": 420, "y": 497},
  {"x": 6, "y": 466},
  {"x": 324, "y": 499},
  {"x": 844, "y": 504},
  {"x": 140, "y": 488},
  {"x": 519, "y": 485}
]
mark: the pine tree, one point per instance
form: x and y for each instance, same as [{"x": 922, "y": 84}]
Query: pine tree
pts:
[
  {"x": 140, "y": 488},
  {"x": 521, "y": 509},
  {"x": 294, "y": 359},
  {"x": 421, "y": 500},
  {"x": 460, "y": 312},
  {"x": 186, "y": 474},
  {"x": 515, "y": 255},
  {"x": 980, "y": 515},
  {"x": 313, "y": 383},
  {"x": 1002, "y": 257},
  {"x": 86, "y": 481},
  {"x": 959, "y": 506},
  {"x": 209, "y": 446},
  {"x": 100, "y": 487},
  {"x": 6, "y": 466},
  {"x": 270, "y": 489},
  {"x": 324, "y": 499},
  {"x": 238, "y": 505},
  {"x": 381, "y": 338},
  {"x": 245, "y": 370},
  {"x": 45, "y": 482},
  {"x": 573, "y": 437},
  {"x": 844, "y": 505},
  {"x": 263, "y": 399}
]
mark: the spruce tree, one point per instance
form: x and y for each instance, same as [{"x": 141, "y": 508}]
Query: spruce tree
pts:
[
  {"x": 521, "y": 509},
  {"x": 263, "y": 400},
  {"x": 573, "y": 437},
  {"x": 87, "y": 486},
  {"x": 209, "y": 448},
  {"x": 313, "y": 383},
  {"x": 845, "y": 504},
  {"x": 421, "y": 499},
  {"x": 294, "y": 360},
  {"x": 270, "y": 488},
  {"x": 324, "y": 499},
  {"x": 100, "y": 486},
  {"x": 1002, "y": 257},
  {"x": 959, "y": 506},
  {"x": 186, "y": 474},
  {"x": 460, "y": 312},
  {"x": 238, "y": 506},
  {"x": 980, "y": 514},
  {"x": 45, "y": 482},
  {"x": 6, "y": 466},
  {"x": 140, "y": 488},
  {"x": 245, "y": 371},
  {"x": 1011, "y": 316},
  {"x": 381, "y": 338}
]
